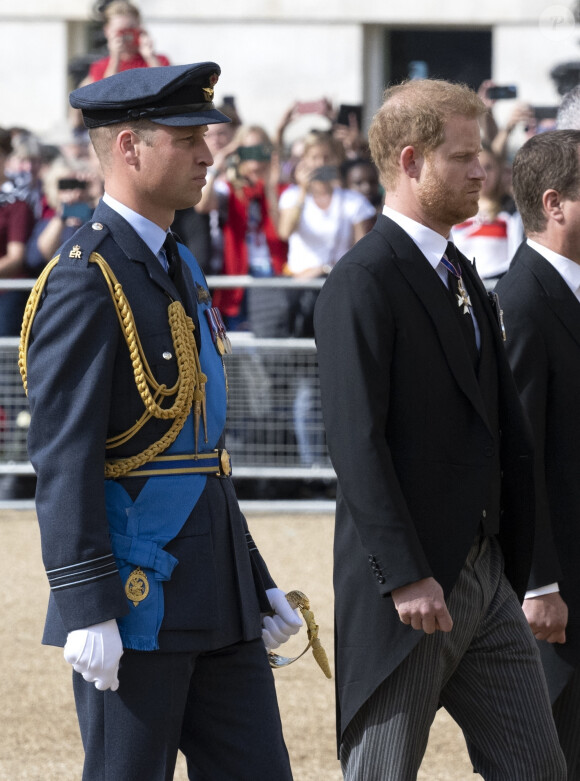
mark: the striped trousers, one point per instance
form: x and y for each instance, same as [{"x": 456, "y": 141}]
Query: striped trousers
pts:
[
  {"x": 486, "y": 672},
  {"x": 566, "y": 712}
]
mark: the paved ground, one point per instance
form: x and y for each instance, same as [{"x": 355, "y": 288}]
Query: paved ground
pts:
[{"x": 39, "y": 736}]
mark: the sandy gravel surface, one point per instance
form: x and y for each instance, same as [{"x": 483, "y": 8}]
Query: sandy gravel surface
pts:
[{"x": 39, "y": 735}]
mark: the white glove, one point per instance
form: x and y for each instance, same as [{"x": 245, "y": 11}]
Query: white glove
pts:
[
  {"x": 94, "y": 652},
  {"x": 286, "y": 622}
]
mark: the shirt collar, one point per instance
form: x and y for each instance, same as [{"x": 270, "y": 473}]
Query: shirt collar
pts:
[
  {"x": 148, "y": 231},
  {"x": 431, "y": 243},
  {"x": 568, "y": 270}
]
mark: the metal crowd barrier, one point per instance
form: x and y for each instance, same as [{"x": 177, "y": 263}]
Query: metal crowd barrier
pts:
[{"x": 274, "y": 428}]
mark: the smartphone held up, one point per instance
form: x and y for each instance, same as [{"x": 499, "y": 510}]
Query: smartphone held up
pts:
[{"x": 505, "y": 92}]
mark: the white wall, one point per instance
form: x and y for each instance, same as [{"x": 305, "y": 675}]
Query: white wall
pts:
[
  {"x": 268, "y": 66},
  {"x": 33, "y": 68},
  {"x": 272, "y": 52},
  {"x": 454, "y": 12}
]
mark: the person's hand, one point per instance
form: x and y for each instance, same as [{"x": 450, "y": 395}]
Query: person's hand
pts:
[
  {"x": 422, "y": 606},
  {"x": 146, "y": 49},
  {"x": 482, "y": 92},
  {"x": 283, "y": 624},
  {"x": 288, "y": 116},
  {"x": 95, "y": 652},
  {"x": 522, "y": 114},
  {"x": 547, "y": 616},
  {"x": 328, "y": 111},
  {"x": 349, "y": 136},
  {"x": 302, "y": 174}
]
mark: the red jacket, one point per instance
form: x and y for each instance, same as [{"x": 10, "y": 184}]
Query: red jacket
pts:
[{"x": 235, "y": 248}]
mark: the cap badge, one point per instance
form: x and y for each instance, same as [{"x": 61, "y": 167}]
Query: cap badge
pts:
[
  {"x": 76, "y": 252},
  {"x": 207, "y": 94}
]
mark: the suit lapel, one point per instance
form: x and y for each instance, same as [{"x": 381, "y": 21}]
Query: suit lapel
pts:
[
  {"x": 431, "y": 293},
  {"x": 558, "y": 295}
]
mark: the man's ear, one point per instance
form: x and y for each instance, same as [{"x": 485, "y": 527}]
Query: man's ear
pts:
[
  {"x": 128, "y": 145},
  {"x": 552, "y": 203},
  {"x": 411, "y": 162}
]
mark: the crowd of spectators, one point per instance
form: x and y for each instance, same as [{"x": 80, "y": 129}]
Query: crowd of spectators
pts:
[{"x": 285, "y": 204}]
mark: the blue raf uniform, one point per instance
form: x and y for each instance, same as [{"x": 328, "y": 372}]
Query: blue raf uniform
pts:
[{"x": 138, "y": 516}]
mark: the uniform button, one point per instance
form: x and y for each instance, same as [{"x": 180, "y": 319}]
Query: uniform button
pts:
[
  {"x": 381, "y": 579},
  {"x": 484, "y": 514},
  {"x": 96, "y": 226},
  {"x": 372, "y": 558},
  {"x": 167, "y": 356}
]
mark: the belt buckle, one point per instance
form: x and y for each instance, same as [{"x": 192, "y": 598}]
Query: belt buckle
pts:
[{"x": 225, "y": 463}]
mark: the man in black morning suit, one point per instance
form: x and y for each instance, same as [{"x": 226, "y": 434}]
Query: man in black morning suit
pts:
[
  {"x": 157, "y": 590},
  {"x": 434, "y": 521},
  {"x": 540, "y": 299}
]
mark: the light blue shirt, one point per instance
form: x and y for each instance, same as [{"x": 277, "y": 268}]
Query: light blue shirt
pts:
[{"x": 150, "y": 232}]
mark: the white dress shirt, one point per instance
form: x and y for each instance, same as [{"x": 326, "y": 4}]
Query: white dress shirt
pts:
[{"x": 433, "y": 245}]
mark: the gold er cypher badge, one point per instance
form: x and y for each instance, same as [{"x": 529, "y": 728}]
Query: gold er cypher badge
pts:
[{"x": 137, "y": 586}]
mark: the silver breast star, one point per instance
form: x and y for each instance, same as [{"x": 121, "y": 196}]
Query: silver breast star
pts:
[{"x": 463, "y": 297}]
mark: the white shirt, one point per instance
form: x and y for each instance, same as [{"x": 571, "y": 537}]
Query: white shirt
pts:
[
  {"x": 566, "y": 268},
  {"x": 323, "y": 236},
  {"x": 433, "y": 245}
]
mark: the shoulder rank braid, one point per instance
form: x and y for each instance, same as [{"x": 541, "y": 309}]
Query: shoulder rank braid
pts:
[{"x": 188, "y": 390}]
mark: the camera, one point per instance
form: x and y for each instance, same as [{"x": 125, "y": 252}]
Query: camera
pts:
[
  {"x": 72, "y": 184},
  {"x": 326, "y": 173},
  {"x": 260, "y": 152},
  {"x": 81, "y": 211},
  {"x": 545, "y": 112},
  {"x": 506, "y": 92},
  {"x": 130, "y": 36},
  {"x": 311, "y": 107},
  {"x": 344, "y": 112}
]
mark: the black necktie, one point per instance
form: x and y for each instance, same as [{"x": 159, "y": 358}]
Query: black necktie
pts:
[
  {"x": 175, "y": 272},
  {"x": 174, "y": 266},
  {"x": 458, "y": 291},
  {"x": 171, "y": 253}
]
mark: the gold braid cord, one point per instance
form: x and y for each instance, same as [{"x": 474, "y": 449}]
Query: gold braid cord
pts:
[
  {"x": 297, "y": 599},
  {"x": 188, "y": 390}
]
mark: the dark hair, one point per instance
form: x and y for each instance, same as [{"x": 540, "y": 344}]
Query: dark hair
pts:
[
  {"x": 353, "y": 162},
  {"x": 547, "y": 161},
  {"x": 5, "y": 141}
]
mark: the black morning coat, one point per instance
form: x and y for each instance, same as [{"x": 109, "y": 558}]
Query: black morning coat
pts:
[
  {"x": 542, "y": 318},
  {"x": 425, "y": 450}
]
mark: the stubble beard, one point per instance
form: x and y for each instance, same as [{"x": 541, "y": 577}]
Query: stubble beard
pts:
[{"x": 442, "y": 204}]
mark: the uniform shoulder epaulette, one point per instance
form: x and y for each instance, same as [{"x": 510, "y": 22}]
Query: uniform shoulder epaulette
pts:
[{"x": 78, "y": 249}]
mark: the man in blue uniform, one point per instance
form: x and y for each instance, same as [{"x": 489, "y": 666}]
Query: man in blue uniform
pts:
[{"x": 158, "y": 593}]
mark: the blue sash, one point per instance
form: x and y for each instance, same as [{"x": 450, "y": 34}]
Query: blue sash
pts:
[{"x": 139, "y": 530}]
